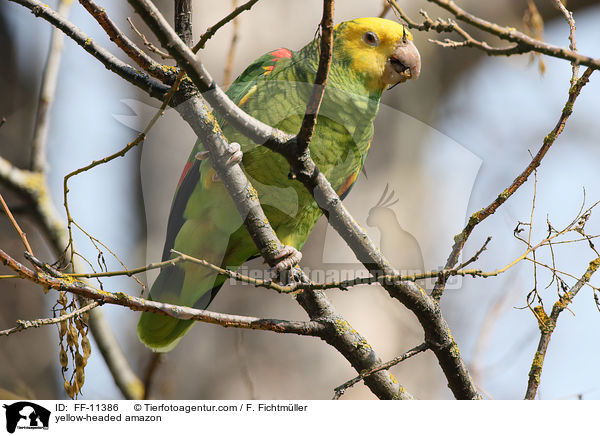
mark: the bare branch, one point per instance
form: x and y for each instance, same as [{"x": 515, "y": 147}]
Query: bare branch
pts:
[
  {"x": 23, "y": 325},
  {"x": 231, "y": 52},
  {"x": 213, "y": 29},
  {"x": 153, "y": 363},
  {"x": 547, "y": 324},
  {"x": 148, "y": 44},
  {"x": 312, "y": 107},
  {"x": 47, "y": 91},
  {"x": 183, "y": 20},
  {"x": 15, "y": 224},
  {"x": 121, "y": 153},
  {"x": 524, "y": 43}
]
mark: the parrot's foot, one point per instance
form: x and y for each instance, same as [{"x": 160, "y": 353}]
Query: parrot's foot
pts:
[
  {"x": 287, "y": 258},
  {"x": 235, "y": 154},
  {"x": 202, "y": 155}
]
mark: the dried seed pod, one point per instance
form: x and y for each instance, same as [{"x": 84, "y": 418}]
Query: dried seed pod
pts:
[
  {"x": 63, "y": 325},
  {"x": 80, "y": 325},
  {"x": 86, "y": 347},
  {"x": 69, "y": 390},
  {"x": 64, "y": 359},
  {"x": 70, "y": 338},
  {"x": 79, "y": 360},
  {"x": 79, "y": 378},
  {"x": 73, "y": 334}
]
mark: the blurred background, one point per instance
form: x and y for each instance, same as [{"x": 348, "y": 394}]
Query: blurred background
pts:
[{"x": 444, "y": 147}]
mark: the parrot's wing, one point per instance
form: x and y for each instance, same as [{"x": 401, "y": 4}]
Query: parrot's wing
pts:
[
  {"x": 187, "y": 183},
  {"x": 241, "y": 88},
  {"x": 239, "y": 92}
]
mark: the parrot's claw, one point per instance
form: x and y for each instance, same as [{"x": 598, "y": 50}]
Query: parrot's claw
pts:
[
  {"x": 289, "y": 257},
  {"x": 202, "y": 155},
  {"x": 235, "y": 151}
]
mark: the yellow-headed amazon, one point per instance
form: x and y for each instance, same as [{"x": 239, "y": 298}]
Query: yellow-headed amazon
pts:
[{"x": 369, "y": 55}]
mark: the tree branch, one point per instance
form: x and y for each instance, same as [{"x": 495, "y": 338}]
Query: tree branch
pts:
[
  {"x": 47, "y": 91},
  {"x": 183, "y": 20},
  {"x": 524, "y": 43},
  {"x": 312, "y": 107},
  {"x": 213, "y": 29},
  {"x": 23, "y": 325},
  {"x": 547, "y": 324}
]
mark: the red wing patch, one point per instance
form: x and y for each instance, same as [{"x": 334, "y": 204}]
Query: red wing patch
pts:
[
  {"x": 183, "y": 174},
  {"x": 281, "y": 53}
]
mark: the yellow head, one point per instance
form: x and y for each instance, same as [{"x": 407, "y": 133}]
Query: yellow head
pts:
[{"x": 381, "y": 50}]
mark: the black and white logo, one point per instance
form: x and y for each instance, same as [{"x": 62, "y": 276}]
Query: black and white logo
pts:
[{"x": 26, "y": 415}]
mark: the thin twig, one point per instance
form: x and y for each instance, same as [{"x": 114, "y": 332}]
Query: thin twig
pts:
[
  {"x": 232, "y": 45},
  {"x": 213, "y": 29},
  {"x": 340, "y": 390},
  {"x": 385, "y": 9},
  {"x": 23, "y": 325},
  {"x": 148, "y": 44},
  {"x": 121, "y": 153},
  {"x": 572, "y": 42},
  {"x": 15, "y": 224}
]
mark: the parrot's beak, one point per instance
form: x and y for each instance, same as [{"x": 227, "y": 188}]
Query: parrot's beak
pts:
[{"x": 403, "y": 64}]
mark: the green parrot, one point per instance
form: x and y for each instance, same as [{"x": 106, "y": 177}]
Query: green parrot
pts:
[{"x": 369, "y": 56}]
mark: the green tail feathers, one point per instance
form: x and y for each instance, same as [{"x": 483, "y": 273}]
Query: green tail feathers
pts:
[{"x": 161, "y": 333}]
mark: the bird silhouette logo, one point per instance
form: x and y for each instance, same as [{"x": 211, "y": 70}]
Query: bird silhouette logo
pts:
[{"x": 399, "y": 246}]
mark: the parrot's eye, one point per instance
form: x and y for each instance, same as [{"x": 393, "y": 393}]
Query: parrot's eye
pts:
[{"x": 371, "y": 39}]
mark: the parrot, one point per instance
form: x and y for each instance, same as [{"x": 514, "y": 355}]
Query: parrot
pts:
[{"x": 369, "y": 56}]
